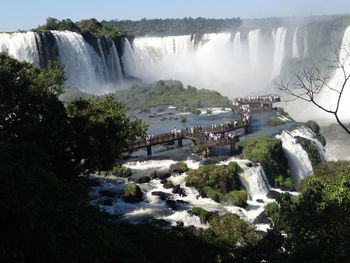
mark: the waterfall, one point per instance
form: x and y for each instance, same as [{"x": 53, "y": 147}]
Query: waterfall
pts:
[
  {"x": 279, "y": 37},
  {"x": 81, "y": 64},
  {"x": 298, "y": 158},
  {"x": 253, "y": 43},
  {"x": 328, "y": 98},
  {"x": 89, "y": 70},
  {"x": 237, "y": 43},
  {"x": 22, "y": 46},
  {"x": 305, "y": 46},
  {"x": 295, "y": 44},
  {"x": 255, "y": 181}
]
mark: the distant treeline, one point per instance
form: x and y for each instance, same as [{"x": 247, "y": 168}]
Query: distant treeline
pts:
[
  {"x": 91, "y": 26},
  {"x": 168, "y": 26}
]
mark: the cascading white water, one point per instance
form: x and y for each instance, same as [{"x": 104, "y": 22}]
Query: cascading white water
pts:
[
  {"x": 295, "y": 44},
  {"x": 305, "y": 46},
  {"x": 79, "y": 59},
  {"x": 298, "y": 158},
  {"x": 255, "y": 181},
  {"x": 309, "y": 134},
  {"x": 84, "y": 68},
  {"x": 237, "y": 44},
  {"x": 253, "y": 43},
  {"x": 329, "y": 97},
  {"x": 279, "y": 37},
  {"x": 22, "y": 46}
]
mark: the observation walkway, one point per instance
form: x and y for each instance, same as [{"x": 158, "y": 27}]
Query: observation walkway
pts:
[{"x": 199, "y": 139}]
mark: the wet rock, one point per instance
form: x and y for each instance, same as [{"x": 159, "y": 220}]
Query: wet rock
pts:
[
  {"x": 160, "y": 175},
  {"x": 162, "y": 195},
  {"x": 180, "y": 223},
  {"x": 164, "y": 181},
  {"x": 172, "y": 204},
  {"x": 107, "y": 193},
  {"x": 143, "y": 180},
  {"x": 249, "y": 164},
  {"x": 180, "y": 191},
  {"x": 272, "y": 194},
  {"x": 132, "y": 194},
  {"x": 168, "y": 185},
  {"x": 108, "y": 202},
  {"x": 163, "y": 119},
  {"x": 260, "y": 200},
  {"x": 262, "y": 219}
]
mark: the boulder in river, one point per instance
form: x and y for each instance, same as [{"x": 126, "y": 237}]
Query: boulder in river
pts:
[
  {"x": 132, "y": 194},
  {"x": 180, "y": 191},
  {"x": 143, "y": 180},
  {"x": 262, "y": 218},
  {"x": 272, "y": 194},
  {"x": 162, "y": 195}
]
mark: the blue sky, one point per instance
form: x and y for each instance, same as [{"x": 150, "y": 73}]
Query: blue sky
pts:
[{"x": 27, "y": 14}]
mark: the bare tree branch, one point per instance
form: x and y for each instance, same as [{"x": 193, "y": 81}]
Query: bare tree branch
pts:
[{"x": 306, "y": 85}]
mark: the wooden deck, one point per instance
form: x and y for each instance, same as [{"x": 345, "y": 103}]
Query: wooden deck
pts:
[{"x": 197, "y": 138}]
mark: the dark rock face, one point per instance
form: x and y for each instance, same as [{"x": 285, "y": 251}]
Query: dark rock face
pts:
[
  {"x": 260, "y": 200},
  {"x": 132, "y": 194},
  {"x": 164, "y": 181},
  {"x": 273, "y": 194},
  {"x": 162, "y": 195},
  {"x": 143, "y": 180},
  {"x": 180, "y": 191},
  {"x": 107, "y": 193},
  {"x": 262, "y": 219},
  {"x": 108, "y": 202}
]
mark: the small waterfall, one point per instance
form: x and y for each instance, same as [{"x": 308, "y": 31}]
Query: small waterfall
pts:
[
  {"x": 253, "y": 43},
  {"x": 310, "y": 135},
  {"x": 237, "y": 43},
  {"x": 298, "y": 158},
  {"x": 279, "y": 37},
  {"x": 129, "y": 59},
  {"x": 21, "y": 46},
  {"x": 114, "y": 63},
  {"x": 305, "y": 46},
  {"x": 328, "y": 98},
  {"x": 255, "y": 181},
  {"x": 295, "y": 44}
]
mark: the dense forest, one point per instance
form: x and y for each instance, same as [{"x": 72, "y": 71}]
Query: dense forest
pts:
[{"x": 169, "y": 26}]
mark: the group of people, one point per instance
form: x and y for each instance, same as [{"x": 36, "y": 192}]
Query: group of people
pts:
[
  {"x": 209, "y": 137},
  {"x": 251, "y": 99}
]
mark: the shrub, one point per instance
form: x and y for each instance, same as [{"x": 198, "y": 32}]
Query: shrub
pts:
[
  {"x": 237, "y": 198},
  {"x": 204, "y": 215},
  {"x": 178, "y": 168},
  {"x": 121, "y": 171},
  {"x": 269, "y": 153},
  {"x": 314, "y": 126},
  {"x": 274, "y": 121}
]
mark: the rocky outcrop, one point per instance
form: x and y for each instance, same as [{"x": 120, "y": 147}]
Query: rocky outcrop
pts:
[{"x": 132, "y": 194}]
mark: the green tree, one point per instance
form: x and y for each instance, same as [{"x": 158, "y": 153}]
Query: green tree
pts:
[
  {"x": 317, "y": 222},
  {"x": 102, "y": 131}
]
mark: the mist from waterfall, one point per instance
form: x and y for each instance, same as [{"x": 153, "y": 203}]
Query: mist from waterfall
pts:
[
  {"x": 304, "y": 111},
  {"x": 229, "y": 63}
]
